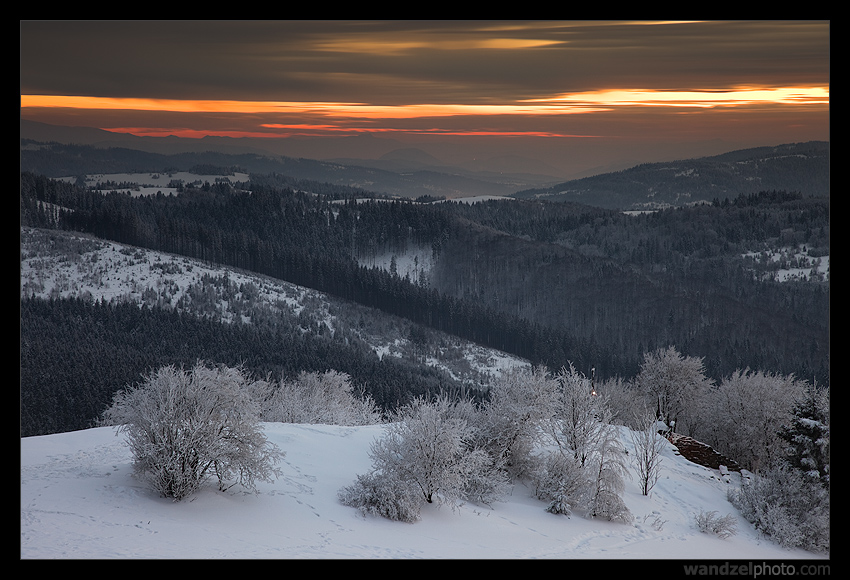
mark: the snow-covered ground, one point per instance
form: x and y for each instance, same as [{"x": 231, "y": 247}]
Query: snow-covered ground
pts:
[
  {"x": 790, "y": 263},
  {"x": 79, "y": 501},
  {"x": 153, "y": 183},
  {"x": 476, "y": 198}
]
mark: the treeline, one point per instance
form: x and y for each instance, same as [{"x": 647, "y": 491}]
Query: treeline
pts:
[{"x": 249, "y": 229}]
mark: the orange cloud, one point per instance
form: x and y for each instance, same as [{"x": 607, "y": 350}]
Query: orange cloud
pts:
[
  {"x": 176, "y": 105},
  {"x": 389, "y": 46},
  {"x": 585, "y": 102},
  {"x": 353, "y": 110},
  {"x": 742, "y": 96},
  {"x": 336, "y": 117}
]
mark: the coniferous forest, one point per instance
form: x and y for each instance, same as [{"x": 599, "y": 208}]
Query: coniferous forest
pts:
[{"x": 551, "y": 282}]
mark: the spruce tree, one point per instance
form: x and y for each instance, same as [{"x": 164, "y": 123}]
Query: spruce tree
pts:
[{"x": 808, "y": 435}]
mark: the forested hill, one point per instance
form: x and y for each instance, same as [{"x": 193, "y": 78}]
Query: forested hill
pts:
[
  {"x": 551, "y": 283},
  {"x": 800, "y": 167},
  {"x": 743, "y": 282}
]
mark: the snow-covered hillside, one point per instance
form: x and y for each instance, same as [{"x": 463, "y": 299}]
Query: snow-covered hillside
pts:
[
  {"x": 79, "y": 500},
  {"x": 63, "y": 264}
]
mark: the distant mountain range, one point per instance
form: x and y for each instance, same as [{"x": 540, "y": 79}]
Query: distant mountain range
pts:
[
  {"x": 395, "y": 169},
  {"x": 400, "y": 170},
  {"x": 798, "y": 167}
]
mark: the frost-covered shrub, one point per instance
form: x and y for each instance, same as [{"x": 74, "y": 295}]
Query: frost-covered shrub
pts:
[
  {"x": 609, "y": 504},
  {"x": 384, "y": 496},
  {"x": 327, "y": 398},
  {"x": 561, "y": 483},
  {"x": 787, "y": 506},
  {"x": 185, "y": 427},
  {"x": 427, "y": 451},
  {"x": 720, "y": 526},
  {"x": 487, "y": 483}
]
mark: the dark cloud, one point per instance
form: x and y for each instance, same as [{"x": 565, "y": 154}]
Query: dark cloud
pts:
[{"x": 409, "y": 60}]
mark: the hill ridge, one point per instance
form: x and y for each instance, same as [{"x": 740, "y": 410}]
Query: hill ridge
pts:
[{"x": 800, "y": 167}]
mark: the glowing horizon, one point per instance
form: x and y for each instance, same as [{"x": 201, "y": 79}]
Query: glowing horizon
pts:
[
  {"x": 739, "y": 96},
  {"x": 345, "y": 115}
]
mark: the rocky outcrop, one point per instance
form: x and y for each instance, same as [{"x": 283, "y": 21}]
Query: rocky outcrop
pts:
[{"x": 700, "y": 453}]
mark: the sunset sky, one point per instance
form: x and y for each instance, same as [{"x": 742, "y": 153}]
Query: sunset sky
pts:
[{"x": 544, "y": 85}]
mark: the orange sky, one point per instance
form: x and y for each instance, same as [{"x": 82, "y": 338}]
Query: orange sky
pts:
[
  {"x": 641, "y": 82},
  {"x": 341, "y": 117}
]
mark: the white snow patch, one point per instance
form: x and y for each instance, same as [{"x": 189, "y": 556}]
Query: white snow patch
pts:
[{"x": 790, "y": 264}]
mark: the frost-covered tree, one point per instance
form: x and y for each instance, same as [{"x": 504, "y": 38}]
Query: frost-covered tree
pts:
[
  {"x": 187, "y": 426},
  {"x": 583, "y": 466},
  {"x": 746, "y": 413},
  {"x": 648, "y": 444},
  {"x": 673, "y": 384},
  {"x": 431, "y": 448},
  {"x": 327, "y": 398},
  {"x": 521, "y": 403},
  {"x": 608, "y": 473},
  {"x": 427, "y": 450},
  {"x": 579, "y": 417},
  {"x": 622, "y": 399}
]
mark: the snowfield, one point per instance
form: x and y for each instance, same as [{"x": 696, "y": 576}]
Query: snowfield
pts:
[{"x": 79, "y": 500}]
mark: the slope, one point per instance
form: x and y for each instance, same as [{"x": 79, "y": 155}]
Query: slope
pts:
[{"x": 79, "y": 501}]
